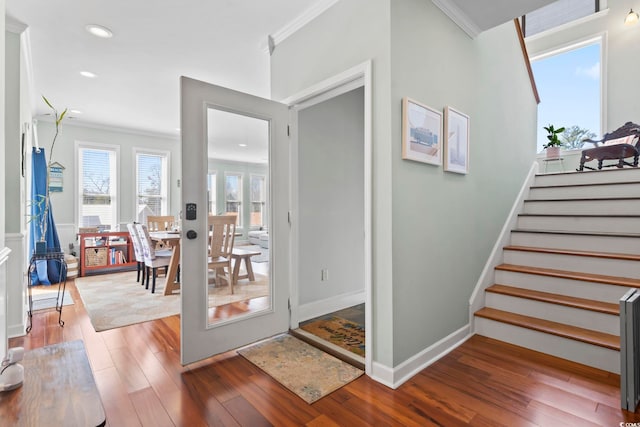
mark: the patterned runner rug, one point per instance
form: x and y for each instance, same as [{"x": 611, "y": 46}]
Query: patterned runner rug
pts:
[
  {"x": 339, "y": 331},
  {"x": 305, "y": 370}
]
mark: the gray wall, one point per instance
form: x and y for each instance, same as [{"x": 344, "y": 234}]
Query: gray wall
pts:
[
  {"x": 622, "y": 55},
  {"x": 12, "y": 157},
  {"x": 63, "y": 204},
  {"x": 346, "y": 35},
  {"x": 3, "y": 276},
  {"x": 437, "y": 227},
  {"x": 445, "y": 224},
  {"x": 331, "y": 197}
]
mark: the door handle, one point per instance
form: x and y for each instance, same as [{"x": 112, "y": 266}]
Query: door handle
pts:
[{"x": 191, "y": 234}]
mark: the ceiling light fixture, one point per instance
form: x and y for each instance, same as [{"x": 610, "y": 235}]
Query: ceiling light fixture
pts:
[
  {"x": 632, "y": 18},
  {"x": 88, "y": 74},
  {"x": 75, "y": 111},
  {"x": 242, "y": 145},
  {"x": 99, "y": 31}
]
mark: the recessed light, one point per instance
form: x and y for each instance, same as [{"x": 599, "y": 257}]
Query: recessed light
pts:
[
  {"x": 178, "y": 129},
  {"x": 99, "y": 31},
  {"x": 75, "y": 111},
  {"x": 88, "y": 74},
  {"x": 242, "y": 145}
]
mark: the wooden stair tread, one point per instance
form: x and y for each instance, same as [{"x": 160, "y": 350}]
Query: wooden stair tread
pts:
[
  {"x": 577, "y": 233},
  {"x": 594, "y": 184},
  {"x": 584, "y": 199},
  {"x": 608, "y": 255},
  {"x": 566, "y": 331},
  {"x": 580, "y": 215},
  {"x": 565, "y": 300},
  {"x": 572, "y": 275}
]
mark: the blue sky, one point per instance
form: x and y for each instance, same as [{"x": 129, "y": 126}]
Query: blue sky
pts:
[{"x": 569, "y": 88}]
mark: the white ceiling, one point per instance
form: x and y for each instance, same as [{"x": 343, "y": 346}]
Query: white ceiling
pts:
[{"x": 154, "y": 43}]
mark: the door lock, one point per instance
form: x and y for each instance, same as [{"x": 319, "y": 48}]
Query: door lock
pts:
[{"x": 191, "y": 234}]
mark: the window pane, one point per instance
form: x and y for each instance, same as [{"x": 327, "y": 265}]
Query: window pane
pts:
[
  {"x": 569, "y": 87},
  {"x": 151, "y": 184},
  {"x": 556, "y": 14},
  {"x": 257, "y": 200},
  {"x": 97, "y": 182}
]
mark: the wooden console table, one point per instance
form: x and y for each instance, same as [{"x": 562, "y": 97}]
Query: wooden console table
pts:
[{"x": 58, "y": 390}]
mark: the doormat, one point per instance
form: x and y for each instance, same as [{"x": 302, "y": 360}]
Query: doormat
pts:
[
  {"x": 307, "y": 371},
  {"x": 339, "y": 331}
]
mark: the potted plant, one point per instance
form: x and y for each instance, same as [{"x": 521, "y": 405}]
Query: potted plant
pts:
[
  {"x": 554, "y": 144},
  {"x": 43, "y": 201}
]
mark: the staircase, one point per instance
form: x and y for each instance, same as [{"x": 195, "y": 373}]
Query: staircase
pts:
[{"x": 574, "y": 253}]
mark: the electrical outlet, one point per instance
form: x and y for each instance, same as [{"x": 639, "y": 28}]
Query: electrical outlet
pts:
[{"x": 324, "y": 274}]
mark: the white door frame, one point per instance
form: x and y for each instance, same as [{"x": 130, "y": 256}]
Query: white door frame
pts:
[{"x": 358, "y": 76}]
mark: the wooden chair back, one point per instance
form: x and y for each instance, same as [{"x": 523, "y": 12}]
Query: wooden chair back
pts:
[
  {"x": 160, "y": 223},
  {"x": 222, "y": 230},
  {"x": 627, "y": 129}
]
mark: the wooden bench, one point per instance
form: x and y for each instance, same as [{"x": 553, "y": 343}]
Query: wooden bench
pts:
[{"x": 620, "y": 151}]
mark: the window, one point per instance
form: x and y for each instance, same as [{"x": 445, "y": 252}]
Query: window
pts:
[
  {"x": 558, "y": 13},
  {"x": 258, "y": 200},
  {"x": 97, "y": 186},
  {"x": 211, "y": 195},
  {"x": 570, "y": 85},
  {"x": 233, "y": 195},
  {"x": 152, "y": 184}
]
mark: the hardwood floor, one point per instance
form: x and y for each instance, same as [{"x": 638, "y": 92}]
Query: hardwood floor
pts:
[{"x": 483, "y": 382}]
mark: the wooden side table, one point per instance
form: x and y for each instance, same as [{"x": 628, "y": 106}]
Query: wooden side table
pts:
[
  {"x": 243, "y": 254},
  {"x": 58, "y": 390}
]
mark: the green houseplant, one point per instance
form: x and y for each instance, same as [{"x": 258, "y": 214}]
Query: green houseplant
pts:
[{"x": 553, "y": 146}]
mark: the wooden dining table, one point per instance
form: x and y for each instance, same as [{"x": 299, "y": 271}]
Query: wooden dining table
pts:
[{"x": 171, "y": 239}]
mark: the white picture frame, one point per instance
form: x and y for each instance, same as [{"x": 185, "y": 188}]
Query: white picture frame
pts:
[
  {"x": 421, "y": 132},
  {"x": 456, "y": 141}
]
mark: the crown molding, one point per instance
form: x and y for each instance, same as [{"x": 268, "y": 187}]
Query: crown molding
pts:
[
  {"x": 301, "y": 20},
  {"x": 460, "y": 18},
  {"x": 110, "y": 128},
  {"x": 13, "y": 25}
]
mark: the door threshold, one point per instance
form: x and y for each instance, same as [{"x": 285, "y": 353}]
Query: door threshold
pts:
[{"x": 327, "y": 347}]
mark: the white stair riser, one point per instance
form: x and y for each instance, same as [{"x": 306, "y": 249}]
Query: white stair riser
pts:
[
  {"x": 599, "y": 224},
  {"x": 593, "y": 265},
  {"x": 585, "y": 192},
  {"x": 584, "y": 207},
  {"x": 624, "y": 245},
  {"x": 574, "y": 288},
  {"x": 603, "y": 176},
  {"x": 607, "y": 323},
  {"x": 577, "y": 351}
]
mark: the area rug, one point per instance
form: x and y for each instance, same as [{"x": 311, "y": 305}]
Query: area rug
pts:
[
  {"x": 339, "y": 331},
  {"x": 305, "y": 370},
  {"x": 116, "y": 300},
  {"x": 45, "y": 297}
]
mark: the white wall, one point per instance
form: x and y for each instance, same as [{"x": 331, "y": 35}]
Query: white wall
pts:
[
  {"x": 331, "y": 198},
  {"x": 64, "y": 203}
]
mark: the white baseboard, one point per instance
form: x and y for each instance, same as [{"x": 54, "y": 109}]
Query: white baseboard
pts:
[
  {"x": 395, "y": 377},
  {"x": 322, "y": 307}
]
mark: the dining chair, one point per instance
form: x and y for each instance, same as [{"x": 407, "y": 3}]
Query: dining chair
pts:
[
  {"x": 138, "y": 251},
  {"x": 152, "y": 258},
  {"x": 222, "y": 230},
  {"x": 161, "y": 223}
]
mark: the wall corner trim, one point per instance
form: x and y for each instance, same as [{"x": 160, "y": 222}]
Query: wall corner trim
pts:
[
  {"x": 458, "y": 17},
  {"x": 14, "y": 26}
]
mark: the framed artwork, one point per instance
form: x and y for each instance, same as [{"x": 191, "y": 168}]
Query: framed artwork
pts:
[
  {"x": 421, "y": 133},
  {"x": 456, "y": 141}
]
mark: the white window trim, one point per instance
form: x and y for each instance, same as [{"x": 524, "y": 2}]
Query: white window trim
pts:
[
  {"x": 215, "y": 190},
  {"x": 78, "y": 196},
  {"x": 264, "y": 195},
  {"x": 167, "y": 186},
  {"x": 241, "y": 222},
  {"x": 601, "y": 38}
]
